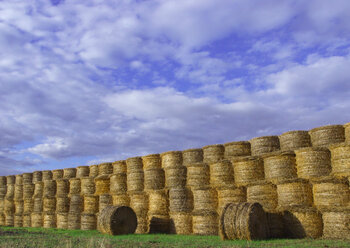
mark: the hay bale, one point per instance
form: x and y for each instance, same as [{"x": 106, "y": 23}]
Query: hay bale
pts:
[
  {"x": 117, "y": 220},
  {"x": 327, "y": 135},
  {"x": 88, "y": 221},
  {"x": 27, "y": 220},
  {"x": 205, "y": 223},
  {"x": 119, "y": 166},
  {"x": 264, "y": 144},
  {"x": 158, "y": 202},
  {"x": 9, "y": 219},
  {"x": 213, "y": 153},
  {"x": 18, "y": 220},
  {"x": 118, "y": 183},
  {"x": 28, "y": 190},
  {"x": 313, "y": 162},
  {"x": 2, "y": 219},
  {"x": 175, "y": 177},
  {"x": 180, "y": 200},
  {"x": 37, "y": 219},
  {"x": 74, "y": 186},
  {"x": 46, "y": 175},
  {"x": 76, "y": 204},
  {"x": 3, "y": 190},
  {"x": 347, "y": 132},
  {"x": 134, "y": 164},
  {"x": 275, "y": 225},
  {"x": 49, "y": 204},
  {"x": 104, "y": 201},
  {"x": 62, "y": 204},
  {"x": 62, "y": 220},
  {"x": 248, "y": 170},
  {"x": 10, "y": 191},
  {"x": 263, "y": 193},
  {"x": 62, "y": 187},
  {"x": 121, "y": 200},
  {"x": 37, "y": 176},
  {"x": 154, "y": 179},
  {"x": 245, "y": 221},
  {"x": 105, "y": 169},
  {"x": 27, "y": 178},
  {"x": 37, "y": 205},
  {"x": 87, "y": 185},
  {"x": 205, "y": 199},
  {"x": 38, "y": 189},
  {"x": 279, "y": 167},
  {"x": 18, "y": 192},
  {"x": 221, "y": 174},
  {"x": 336, "y": 225},
  {"x": 9, "y": 205},
  {"x": 192, "y": 156},
  {"x": 102, "y": 184},
  {"x": 237, "y": 148},
  {"x": 49, "y": 220},
  {"x": 49, "y": 188},
  {"x": 139, "y": 203},
  {"x": 19, "y": 179},
  {"x": 198, "y": 175},
  {"x": 93, "y": 170},
  {"x": 74, "y": 220},
  {"x": 135, "y": 180},
  {"x": 180, "y": 223},
  {"x": 151, "y": 161},
  {"x": 304, "y": 223},
  {"x": 3, "y": 181},
  {"x": 158, "y": 224},
  {"x": 294, "y": 194},
  {"x": 19, "y": 205},
  {"x": 292, "y": 140},
  {"x": 28, "y": 205},
  {"x": 171, "y": 159},
  {"x": 10, "y": 179},
  {"x": 69, "y": 173},
  {"x": 57, "y": 174},
  {"x": 83, "y": 171},
  {"x": 340, "y": 158},
  {"x": 2, "y": 205},
  {"x": 142, "y": 225},
  {"x": 91, "y": 204}
]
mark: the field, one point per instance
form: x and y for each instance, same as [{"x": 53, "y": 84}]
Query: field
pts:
[{"x": 50, "y": 238}]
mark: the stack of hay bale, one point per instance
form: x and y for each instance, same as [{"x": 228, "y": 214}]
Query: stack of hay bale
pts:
[
  {"x": 36, "y": 214},
  {"x": 118, "y": 184},
  {"x": 9, "y": 204},
  {"x": 18, "y": 201},
  {"x": 28, "y": 192}
]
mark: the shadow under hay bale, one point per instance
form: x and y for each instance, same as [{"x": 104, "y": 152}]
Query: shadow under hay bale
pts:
[
  {"x": 46, "y": 175},
  {"x": 27, "y": 220},
  {"x": 74, "y": 220},
  {"x": 237, "y": 148},
  {"x": 171, "y": 159},
  {"x": 276, "y": 225},
  {"x": 336, "y": 225},
  {"x": 247, "y": 170},
  {"x": 198, "y": 175},
  {"x": 49, "y": 188},
  {"x": 205, "y": 199},
  {"x": 119, "y": 166},
  {"x": 49, "y": 220},
  {"x": 180, "y": 223},
  {"x": 83, "y": 171},
  {"x": 102, "y": 184},
  {"x": 37, "y": 219},
  {"x": 221, "y": 174},
  {"x": 158, "y": 203},
  {"x": 121, "y": 200},
  {"x": 159, "y": 224},
  {"x": 62, "y": 187},
  {"x": 340, "y": 157},
  {"x": 62, "y": 204},
  {"x": 205, "y": 223},
  {"x": 118, "y": 183},
  {"x": 175, "y": 177},
  {"x": 88, "y": 221},
  {"x": 154, "y": 179},
  {"x": 105, "y": 169},
  {"x": 62, "y": 220},
  {"x": 327, "y": 135},
  {"x": 28, "y": 190},
  {"x": 87, "y": 186},
  {"x": 37, "y": 176},
  {"x": 69, "y": 173},
  {"x": 74, "y": 186},
  {"x": 91, "y": 203},
  {"x": 180, "y": 200},
  {"x": 213, "y": 153},
  {"x": 292, "y": 140},
  {"x": 264, "y": 144},
  {"x": 27, "y": 178},
  {"x": 93, "y": 170},
  {"x": 265, "y": 194},
  {"x": 192, "y": 156},
  {"x": 18, "y": 220},
  {"x": 151, "y": 161},
  {"x": 135, "y": 180},
  {"x": 57, "y": 174}
]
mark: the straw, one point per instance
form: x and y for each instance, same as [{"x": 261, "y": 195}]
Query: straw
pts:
[
  {"x": 327, "y": 135},
  {"x": 74, "y": 186},
  {"x": 10, "y": 179},
  {"x": 264, "y": 144},
  {"x": 37, "y": 219},
  {"x": 87, "y": 185},
  {"x": 292, "y": 140},
  {"x": 248, "y": 170},
  {"x": 18, "y": 192},
  {"x": 275, "y": 224},
  {"x": 198, "y": 175},
  {"x": 336, "y": 225},
  {"x": 37, "y": 176},
  {"x": 121, "y": 200},
  {"x": 62, "y": 187},
  {"x": 192, "y": 156},
  {"x": 69, "y": 173},
  {"x": 118, "y": 183},
  {"x": 134, "y": 164},
  {"x": 27, "y": 220},
  {"x": 158, "y": 202},
  {"x": 340, "y": 157},
  {"x": 83, "y": 171},
  {"x": 49, "y": 204},
  {"x": 205, "y": 199},
  {"x": 91, "y": 203},
  {"x": 38, "y": 189},
  {"x": 230, "y": 195},
  {"x": 105, "y": 169},
  {"x": 37, "y": 205},
  {"x": 205, "y": 223},
  {"x": 93, "y": 170},
  {"x": 154, "y": 179},
  {"x": 180, "y": 223},
  {"x": 180, "y": 200},
  {"x": 28, "y": 205},
  {"x": 27, "y": 178},
  {"x": 76, "y": 204},
  {"x": 221, "y": 174},
  {"x": 175, "y": 177},
  {"x": 18, "y": 220},
  {"x": 46, "y": 175},
  {"x": 19, "y": 207},
  {"x": 151, "y": 161},
  {"x": 237, "y": 148},
  {"x": 62, "y": 220},
  {"x": 135, "y": 180},
  {"x": 49, "y": 188},
  {"x": 102, "y": 184},
  {"x": 19, "y": 179},
  {"x": 57, "y": 174},
  {"x": 213, "y": 153},
  {"x": 49, "y": 220},
  {"x": 263, "y": 193},
  {"x": 104, "y": 201},
  {"x": 10, "y": 191},
  {"x": 119, "y": 167},
  {"x": 62, "y": 204},
  {"x": 139, "y": 203},
  {"x": 28, "y": 190},
  {"x": 88, "y": 221},
  {"x": 74, "y": 220}
]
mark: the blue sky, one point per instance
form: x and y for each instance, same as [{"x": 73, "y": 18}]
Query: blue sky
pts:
[{"x": 84, "y": 82}]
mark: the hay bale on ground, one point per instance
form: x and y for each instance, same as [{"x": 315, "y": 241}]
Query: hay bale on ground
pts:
[
  {"x": 49, "y": 220},
  {"x": 27, "y": 220},
  {"x": 275, "y": 225},
  {"x": 10, "y": 191},
  {"x": 2, "y": 219},
  {"x": 121, "y": 200},
  {"x": 151, "y": 161},
  {"x": 327, "y": 135},
  {"x": 105, "y": 169},
  {"x": 180, "y": 200},
  {"x": 10, "y": 179},
  {"x": 102, "y": 184},
  {"x": 76, "y": 204},
  {"x": 158, "y": 202},
  {"x": 83, "y": 171},
  {"x": 2, "y": 181},
  {"x": 340, "y": 158},
  {"x": 38, "y": 189},
  {"x": 248, "y": 170},
  {"x": 88, "y": 221},
  {"x": 198, "y": 175},
  {"x": 62, "y": 204},
  {"x": 18, "y": 192},
  {"x": 19, "y": 180},
  {"x": 46, "y": 175},
  {"x": 221, "y": 174},
  {"x": 119, "y": 166},
  {"x": 205, "y": 223},
  {"x": 93, "y": 170},
  {"x": 37, "y": 176},
  {"x": 175, "y": 177},
  {"x": 37, "y": 205},
  {"x": 279, "y": 167},
  {"x": 28, "y": 190},
  {"x": 292, "y": 140},
  {"x": 27, "y": 178},
  {"x": 139, "y": 203},
  {"x": 158, "y": 224},
  {"x": 171, "y": 159},
  {"x": 49, "y": 204},
  {"x": 19, "y": 205},
  {"x": 134, "y": 164},
  {"x": 135, "y": 181},
  {"x": 265, "y": 194},
  {"x": 9, "y": 219},
  {"x": 91, "y": 203},
  {"x": 57, "y": 174},
  {"x": 104, "y": 201},
  {"x": 74, "y": 186},
  {"x": 118, "y": 183},
  {"x": 37, "y": 219},
  {"x": 237, "y": 148},
  {"x": 213, "y": 153},
  {"x": 62, "y": 220},
  {"x": 18, "y": 220},
  {"x": 154, "y": 179},
  {"x": 205, "y": 199},
  {"x": 142, "y": 225},
  {"x": 117, "y": 220},
  {"x": 264, "y": 144},
  {"x": 336, "y": 225},
  {"x": 69, "y": 173},
  {"x": 245, "y": 221},
  {"x": 62, "y": 187},
  {"x": 74, "y": 221},
  {"x": 192, "y": 156},
  {"x": 180, "y": 223},
  {"x": 87, "y": 185},
  {"x": 49, "y": 188},
  {"x": 28, "y": 205}
]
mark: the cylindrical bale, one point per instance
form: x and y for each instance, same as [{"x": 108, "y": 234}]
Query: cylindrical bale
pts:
[
  {"x": 62, "y": 204},
  {"x": 10, "y": 191},
  {"x": 121, "y": 200},
  {"x": 313, "y": 162},
  {"x": 192, "y": 156},
  {"x": 74, "y": 186},
  {"x": 3, "y": 190},
  {"x": 62, "y": 187},
  {"x": 180, "y": 200},
  {"x": 37, "y": 176},
  {"x": 27, "y": 220},
  {"x": 104, "y": 201},
  {"x": 336, "y": 225},
  {"x": 76, "y": 204},
  {"x": 19, "y": 179},
  {"x": 62, "y": 220},
  {"x": 46, "y": 175},
  {"x": 205, "y": 199},
  {"x": 198, "y": 175},
  {"x": 27, "y": 178},
  {"x": 83, "y": 171},
  {"x": 347, "y": 132},
  {"x": 38, "y": 189},
  {"x": 87, "y": 185},
  {"x": 294, "y": 194},
  {"x": 9, "y": 205},
  {"x": 93, "y": 170},
  {"x": 49, "y": 204},
  {"x": 2, "y": 219},
  {"x": 117, "y": 220},
  {"x": 118, "y": 183},
  {"x": 37, "y": 219},
  {"x": 304, "y": 223},
  {"x": 69, "y": 173},
  {"x": 327, "y": 135},
  {"x": 248, "y": 170},
  {"x": 265, "y": 194},
  {"x": 154, "y": 179},
  {"x": 49, "y": 220},
  {"x": 3, "y": 180},
  {"x": 292, "y": 140},
  {"x": 213, "y": 153},
  {"x": 134, "y": 164},
  {"x": 175, "y": 177},
  {"x": 158, "y": 224},
  {"x": 88, "y": 221},
  {"x": 102, "y": 184},
  {"x": 91, "y": 204},
  {"x": 49, "y": 188},
  {"x": 279, "y": 167},
  {"x": 221, "y": 174},
  {"x": 245, "y": 221},
  {"x": 237, "y": 148},
  {"x": 28, "y": 205},
  {"x": 9, "y": 219},
  {"x": 158, "y": 202},
  {"x": 10, "y": 179},
  {"x": 142, "y": 225},
  {"x": 276, "y": 225},
  {"x": 151, "y": 161},
  {"x": 19, "y": 207},
  {"x": 180, "y": 223},
  {"x": 57, "y": 174},
  {"x": 105, "y": 169},
  {"x": 119, "y": 166},
  {"x": 205, "y": 223},
  {"x": 18, "y": 220},
  {"x": 139, "y": 203},
  {"x": 264, "y": 144},
  {"x": 340, "y": 158},
  {"x": 171, "y": 159},
  {"x": 37, "y": 205},
  {"x": 135, "y": 180},
  {"x": 74, "y": 220},
  {"x": 2, "y": 205},
  {"x": 28, "y": 190},
  {"x": 18, "y": 191}
]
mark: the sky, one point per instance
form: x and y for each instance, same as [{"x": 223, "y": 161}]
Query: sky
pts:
[{"x": 86, "y": 82}]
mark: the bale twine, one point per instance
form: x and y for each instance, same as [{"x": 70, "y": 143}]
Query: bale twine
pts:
[
  {"x": 213, "y": 153},
  {"x": 121, "y": 200},
  {"x": 158, "y": 202},
  {"x": 304, "y": 223},
  {"x": 175, "y": 177},
  {"x": 49, "y": 204},
  {"x": 158, "y": 224},
  {"x": 294, "y": 194},
  {"x": 292, "y": 140},
  {"x": 275, "y": 225},
  {"x": 151, "y": 161},
  {"x": 10, "y": 179},
  {"x": 28, "y": 205},
  {"x": 27, "y": 220},
  {"x": 3, "y": 190},
  {"x": 37, "y": 176},
  {"x": 247, "y": 170},
  {"x": 118, "y": 183},
  {"x": 2, "y": 180},
  {"x": 74, "y": 186},
  {"x": 264, "y": 144},
  {"x": 205, "y": 223},
  {"x": 28, "y": 190},
  {"x": 46, "y": 175},
  {"x": 279, "y": 167},
  {"x": 10, "y": 191},
  {"x": 139, "y": 203},
  {"x": 265, "y": 194},
  {"x": 198, "y": 175},
  {"x": 104, "y": 201},
  {"x": 102, "y": 184},
  {"x": 205, "y": 199},
  {"x": 2, "y": 219},
  {"x": 171, "y": 159},
  {"x": 9, "y": 205},
  {"x": 27, "y": 178},
  {"x": 57, "y": 174},
  {"x": 336, "y": 225},
  {"x": 105, "y": 169},
  {"x": 62, "y": 220},
  {"x": 142, "y": 225},
  {"x": 18, "y": 220},
  {"x": 37, "y": 219},
  {"x": 180, "y": 200},
  {"x": 76, "y": 204},
  {"x": 313, "y": 162},
  {"x": 154, "y": 179},
  {"x": 49, "y": 220},
  {"x": 91, "y": 204},
  {"x": 69, "y": 173},
  {"x": 37, "y": 205},
  {"x": 38, "y": 189},
  {"x": 9, "y": 219},
  {"x": 134, "y": 164},
  {"x": 18, "y": 192},
  {"x": 245, "y": 221},
  {"x": 83, "y": 171},
  {"x": 135, "y": 180},
  {"x": 117, "y": 220},
  {"x": 62, "y": 187},
  {"x": 93, "y": 170},
  {"x": 119, "y": 166},
  {"x": 87, "y": 185},
  {"x": 19, "y": 179},
  {"x": 192, "y": 156},
  {"x": 221, "y": 174},
  {"x": 49, "y": 188},
  {"x": 62, "y": 204},
  {"x": 19, "y": 207},
  {"x": 237, "y": 148},
  {"x": 88, "y": 221},
  {"x": 74, "y": 220},
  {"x": 327, "y": 135},
  {"x": 340, "y": 157},
  {"x": 180, "y": 223}
]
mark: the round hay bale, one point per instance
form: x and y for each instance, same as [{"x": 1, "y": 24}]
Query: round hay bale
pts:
[
  {"x": 279, "y": 167},
  {"x": 87, "y": 185},
  {"x": 213, "y": 153},
  {"x": 327, "y": 135},
  {"x": 237, "y": 148},
  {"x": 18, "y": 220},
  {"x": 292, "y": 140},
  {"x": 294, "y": 194},
  {"x": 37, "y": 205},
  {"x": 175, "y": 177},
  {"x": 38, "y": 189},
  {"x": 171, "y": 159},
  {"x": 27, "y": 220},
  {"x": 2, "y": 219},
  {"x": 10, "y": 191},
  {"x": 340, "y": 158},
  {"x": 37, "y": 219},
  {"x": 83, "y": 171},
  {"x": 205, "y": 199},
  {"x": 49, "y": 220},
  {"x": 139, "y": 203},
  {"x": 248, "y": 170},
  {"x": 205, "y": 223},
  {"x": 180, "y": 223},
  {"x": 102, "y": 184},
  {"x": 28, "y": 190},
  {"x": 119, "y": 166},
  {"x": 336, "y": 225},
  {"x": 134, "y": 164},
  {"x": 151, "y": 161},
  {"x": 18, "y": 192},
  {"x": 313, "y": 162},
  {"x": 158, "y": 224},
  {"x": 105, "y": 169},
  {"x": 37, "y": 176},
  {"x": 19, "y": 179},
  {"x": 121, "y": 200},
  {"x": 88, "y": 221},
  {"x": 74, "y": 186},
  {"x": 49, "y": 204},
  {"x": 347, "y": 132},
  {"x": 192, "y": 156},
  {"x": 74, "y": 220},
  {"x": 275, "y": 225},
  {"x": 57, "y": 174},
  {"x": 62, "y": 187},
  {"x": 76, "y": 204},
  {"x": 62, "y": 204},
  {"x": 28, "y": 205},
  {"x": 3, "y": 190},
  {"x": 93, "y": 170},
  {"x": 265, "y": 194},
  {"x": 135, "y": 180},
  {"x": 49, "y": 188},
  {"x": 9, "y": 205},
  {"x": 2, "y": 205},
  {"x": 62, "y": 220},
  {"x": 198, "y": 175},
  {"x": 3, "y": 181},
  {"x": 10, "y": 179},
  {"x": 304, "y": 223},
  {"x": 69, "y": 173},
  {"x": 46, "y": 175},
  {"x": 142, "y": 225},
  {"x": 104, "y": 201},
  {"x": 221, "y": 174},
  {"x": 9, "y": 219},
  {"x": 180, "y": 200},
  {"x": 117, "y": 220},
  {"x": 19, "y": 206},
  {"x": 245, "y": 221},
  {"x": 118, "y": 183},
  {"x": 158, "y": 202},
  {"x": 154, "y": 179},
  {"x": 27, "y": 178},
  {"x": 91, "y": 204},
  {"x": 264, "y": 144}
]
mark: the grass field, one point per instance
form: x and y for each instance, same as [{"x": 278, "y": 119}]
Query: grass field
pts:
[{"x": 49, "y": 238}]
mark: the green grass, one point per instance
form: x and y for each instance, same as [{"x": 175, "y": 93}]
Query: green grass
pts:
[{"x": 52, "y": 238}]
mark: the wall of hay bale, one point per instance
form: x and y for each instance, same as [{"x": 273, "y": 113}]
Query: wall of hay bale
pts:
[{"x": 300, "y": 178}]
